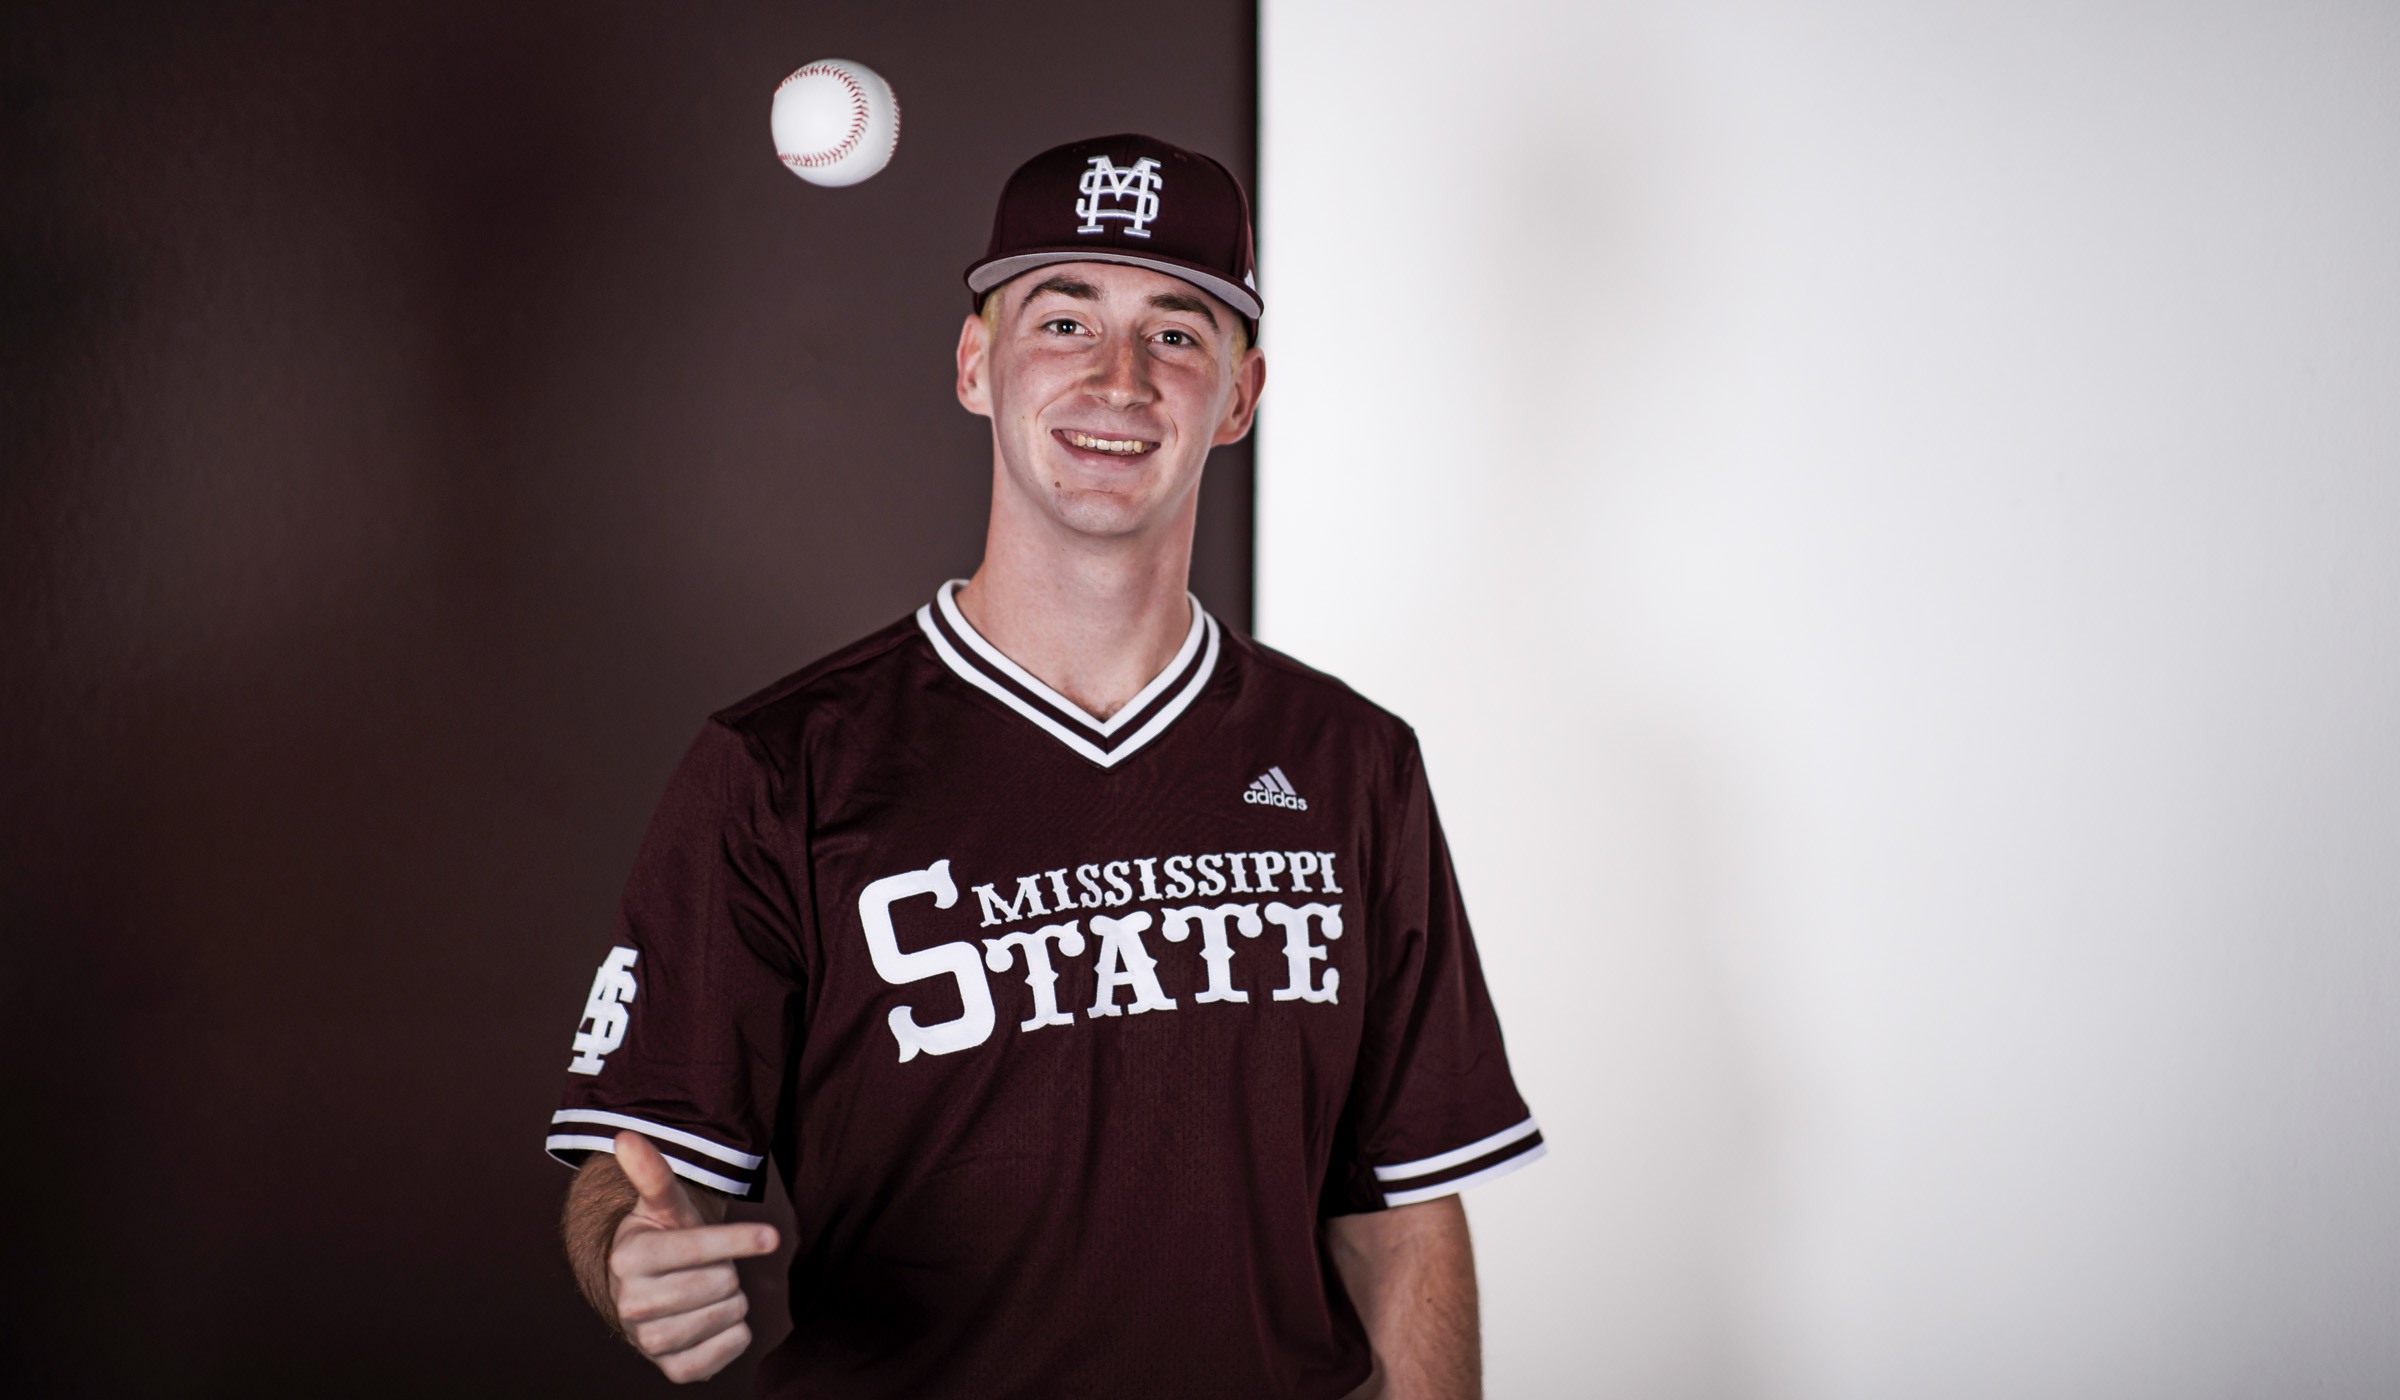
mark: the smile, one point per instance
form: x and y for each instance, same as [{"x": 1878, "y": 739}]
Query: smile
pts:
[{"x": 1115, "y": 447}]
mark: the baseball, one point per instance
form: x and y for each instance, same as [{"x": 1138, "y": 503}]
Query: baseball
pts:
[{"x": 836, "y": 122}]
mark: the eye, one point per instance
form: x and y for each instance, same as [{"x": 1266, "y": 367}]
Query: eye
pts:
[
  {"x": 1063, "y": 325},
  {"x": 1176, "y": 338}
]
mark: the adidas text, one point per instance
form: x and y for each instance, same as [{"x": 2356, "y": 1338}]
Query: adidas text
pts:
[{"x": 1272, "y": 789}]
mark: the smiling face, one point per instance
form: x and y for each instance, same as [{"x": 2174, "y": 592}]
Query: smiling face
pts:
[{"x": 1106, "y": 386}]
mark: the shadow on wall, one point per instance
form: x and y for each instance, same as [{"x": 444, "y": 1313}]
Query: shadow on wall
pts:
[
  {"x": 415, "y": 422},
  {"x": 1593, "y": 821},
  {"x": 1603, "y": 844}
]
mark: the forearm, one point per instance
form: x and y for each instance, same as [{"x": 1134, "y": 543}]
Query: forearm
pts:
[
  {"x": 1411, "y": 1276},
  {"x": 598, "y": 1200}
]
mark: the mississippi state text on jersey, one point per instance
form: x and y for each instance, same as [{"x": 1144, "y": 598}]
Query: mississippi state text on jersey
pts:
[{"x": 1065, "y": 1034}]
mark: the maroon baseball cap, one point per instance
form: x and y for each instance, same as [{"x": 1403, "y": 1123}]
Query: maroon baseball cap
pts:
[{"x": 1126, "y": 199}]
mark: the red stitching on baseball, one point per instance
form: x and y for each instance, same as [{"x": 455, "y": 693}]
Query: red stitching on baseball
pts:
[{"x": 858, "y": 117}]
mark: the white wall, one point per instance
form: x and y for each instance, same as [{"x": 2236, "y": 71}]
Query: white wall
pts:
[{"x": 1887, "y": 518}]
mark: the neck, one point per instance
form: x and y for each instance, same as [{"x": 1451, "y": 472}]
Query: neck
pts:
[{"x": 1094, "y": 618}]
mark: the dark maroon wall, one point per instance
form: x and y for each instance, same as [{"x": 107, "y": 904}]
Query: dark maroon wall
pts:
[{"x": 414, "y": 418}]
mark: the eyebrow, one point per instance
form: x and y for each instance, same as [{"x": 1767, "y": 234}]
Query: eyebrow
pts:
[
  {"x": 1177, "y": 301},
  {"x": 1074, "y": 287}
]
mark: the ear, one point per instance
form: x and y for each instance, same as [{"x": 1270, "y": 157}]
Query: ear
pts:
[
  {"x": 1249, "y": 380},
  {"x": 974, "y": 352}
]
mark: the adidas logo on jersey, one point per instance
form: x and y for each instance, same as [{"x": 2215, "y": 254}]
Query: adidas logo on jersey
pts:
[{"x": 1274, "y": 790}]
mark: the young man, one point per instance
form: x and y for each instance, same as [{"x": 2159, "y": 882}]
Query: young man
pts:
[{"x": 1095, "y": 976}]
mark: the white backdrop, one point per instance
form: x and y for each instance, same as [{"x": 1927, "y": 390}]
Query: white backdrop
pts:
[{"x": 1887, "y": 519}]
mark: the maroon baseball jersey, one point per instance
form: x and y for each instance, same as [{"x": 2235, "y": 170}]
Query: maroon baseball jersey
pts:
[{"x": 1066, "y": 1034}]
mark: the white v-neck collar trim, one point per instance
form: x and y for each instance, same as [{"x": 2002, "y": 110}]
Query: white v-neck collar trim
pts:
[
  {"x": 947, "y": 600},
  {"x": 984, "y": 666}
]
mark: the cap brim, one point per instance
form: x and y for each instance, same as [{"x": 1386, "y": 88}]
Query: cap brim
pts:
[{"x": 985, "y": 276}]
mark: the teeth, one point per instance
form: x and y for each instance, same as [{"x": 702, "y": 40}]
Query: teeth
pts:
[{"x": 1129, "y": 446}]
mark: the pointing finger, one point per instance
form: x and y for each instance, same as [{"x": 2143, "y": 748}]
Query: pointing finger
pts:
[{"x": 665, "y": 1251}]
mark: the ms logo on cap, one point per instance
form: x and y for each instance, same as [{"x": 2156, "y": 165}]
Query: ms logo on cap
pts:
[
  {"x": 1104, "y": 187},
  {"x": 1114, "y": 187}
]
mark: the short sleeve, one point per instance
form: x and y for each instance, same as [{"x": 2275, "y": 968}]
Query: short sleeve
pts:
[
  {"x": 692, "y": 1013},
  {"x": 1433, "y": 1109}
]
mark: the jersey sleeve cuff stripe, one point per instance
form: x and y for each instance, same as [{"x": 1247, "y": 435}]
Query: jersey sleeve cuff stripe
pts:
[
  {"x": 1429, "y": 1184},
  {"x": 1450, "y": 1188},
  {"x": 659, "y": 1131},
  {"x": 1426, "y": 1166},
  {"x": 714, "y": 1182},
  {"x": 560, "y": 1144}
]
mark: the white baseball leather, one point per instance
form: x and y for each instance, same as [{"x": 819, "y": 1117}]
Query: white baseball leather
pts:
[{"x": 835, "y": 122}]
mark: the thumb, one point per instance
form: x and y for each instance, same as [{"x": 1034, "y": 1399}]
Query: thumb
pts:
[{"x": 662, "y": 1195}]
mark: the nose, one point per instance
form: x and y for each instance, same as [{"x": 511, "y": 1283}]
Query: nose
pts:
[{"x": 1120, "y": 376}]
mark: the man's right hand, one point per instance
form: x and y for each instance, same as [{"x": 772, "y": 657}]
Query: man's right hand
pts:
[{"x": 671, "y": 1274}]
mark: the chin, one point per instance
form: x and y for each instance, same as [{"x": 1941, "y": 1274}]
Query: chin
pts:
[
  {"x": 1096, "y": 513},
  {"x": 1104, "y": 502}
]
